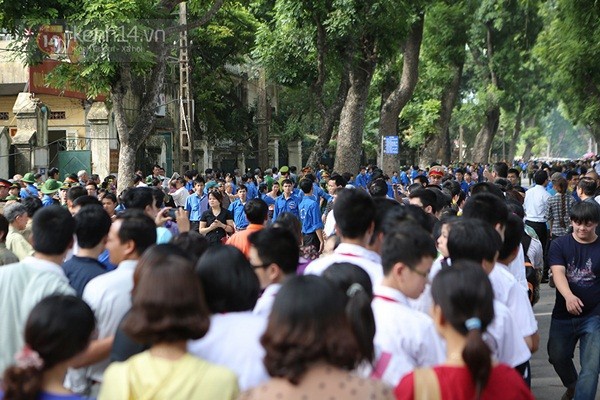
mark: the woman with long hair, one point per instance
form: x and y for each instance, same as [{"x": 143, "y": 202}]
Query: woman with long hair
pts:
[
  {"x": 463, "y": 309},
  {"x": 168, "y": 310},
  {"x": 311, "y": 348},
  {"x": 58, "y": 329},
  {"x": 216, "y": 222},
  {"x": 559, "y": 208}
]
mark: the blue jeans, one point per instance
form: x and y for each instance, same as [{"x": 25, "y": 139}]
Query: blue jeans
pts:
[{"x": 564, "y": 334}]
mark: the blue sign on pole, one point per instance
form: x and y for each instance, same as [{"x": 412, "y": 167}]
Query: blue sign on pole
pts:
[{"x": 391, "y": 145}]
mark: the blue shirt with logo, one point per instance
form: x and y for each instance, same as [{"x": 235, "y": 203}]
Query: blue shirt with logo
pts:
[
  {"x": 310, "y": 215},
  {"x": 239, "y": 216},
  {"x": 195, "y": 206},
  {"x": 286, "y": 205}
]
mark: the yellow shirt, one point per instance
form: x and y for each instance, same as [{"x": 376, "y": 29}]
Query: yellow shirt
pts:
[{"x": 145, "y": 377}]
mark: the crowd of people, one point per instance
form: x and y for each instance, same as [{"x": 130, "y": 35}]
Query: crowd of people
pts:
[{"x": 287, "y": 284}]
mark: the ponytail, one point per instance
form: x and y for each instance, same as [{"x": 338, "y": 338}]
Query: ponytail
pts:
[
  {"x": 23, "y": 381},
  {"x": 362, "y": 321},
  {"x": 563, "y": 210},
  {"x": 477, "y": 355}
]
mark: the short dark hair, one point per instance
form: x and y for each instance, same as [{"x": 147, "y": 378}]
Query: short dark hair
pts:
[
  {"x": 168, "y": 303},
  {"x": 540, "y": 177},
  {"x": 192, "y": 243},
  {"x": 241, "y": 186},
  {"x": 408, "y": 213},
  {"x": 354, "y": 212},
  {"x": 92, "y": 224},
  {"x": 52, "y": 230},
  {"x": 463, "y": 292},
  {"x": 588, "y": 186},
  {"x": 501, "y": 169},
  {"x": 513, "y": 234},
  {"x": 378, "y": 188},
  {"x": 138, "y": 227},
  {"x": 486, "y": 207},
  {"x": 111, "y": 196},
  {"x": 487, "y": 187},
  {"x": 75, "y": 192},
  {"x": 86, "y": 201},
  {"x": 58, "y": 328},
  {"x": 339, "y": 180},
  {"x": 229, "y": 282},
  {"x": 308, "y": 323},
  {"x": 257, "y": 211},
  {"x": 3, "y": 227},
  {"x": 382, "y": 206},
  {"x": 427, "y": 197},
  {"x": 32, "y": 204},
  {"x": 407, "y": 244},
  {"x": 469, "y": 239},
  {"x": 277, "y": 246},
  {"x": 291, "y": 223},
  {"x": 585, "y": 211},
  {"x": 513, "y": 171},
  {"x": 570, "y": 174},
  {"x": 137, "y": 198},
  {"x": 306, "y": 185},
  {"x": 287, "y": 182}
]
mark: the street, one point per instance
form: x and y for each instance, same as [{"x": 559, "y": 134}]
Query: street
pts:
[{"x": 545, "y": 383}]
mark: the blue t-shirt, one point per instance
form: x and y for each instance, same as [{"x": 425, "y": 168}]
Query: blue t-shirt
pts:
[
  {"x": 55, "y": 396},
  {"x": 310, "y": 215},
  {"x": 582, "y": 264},
  {"x": 239, "y": 215},
  {"x": 81, "y": 270}
]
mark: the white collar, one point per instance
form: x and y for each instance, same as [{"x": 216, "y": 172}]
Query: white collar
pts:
[
  {"x": 271, "y": 290},
  {"x": 390, "y": 294},
  {"x": 357, "y": 251},
  {"x": 44, "y": 265},
  {"x": 127, "y": 264}
]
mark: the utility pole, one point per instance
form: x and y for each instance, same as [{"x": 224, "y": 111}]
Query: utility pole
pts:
[{"x": 186, "y": 134}]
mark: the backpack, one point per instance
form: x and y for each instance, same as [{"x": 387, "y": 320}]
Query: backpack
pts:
[{"x": 531, "y": 274}]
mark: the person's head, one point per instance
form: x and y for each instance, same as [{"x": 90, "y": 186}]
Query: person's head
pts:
[
  {"x": 513, "y": 234},
  {"x": 489, "y": 208},
  {"x": 84, "y": 201},
  {"x": 424, "y": 198},
  {"x": 74, "y": 192},
  {"x": 130, "y": 235},
  {"x": 382, "y": 207},
  {"x": 378, "y": 188},
  {"x": 459, "y": 174},
  {"x": 17, "y": 216},
  {"x": 500, "y": 170},
  {"x": 540, "y": 177},
  {"x": 274, "y": 254},
  {"x": 442, "y": 239},
  {"x": 3, "y": 228},
  {"x": 140, "y": 198},
  {"x": 560, "y": 184},
  {"x": 586, "y": 187},
  {"x": 463, "y": 303},
  {"x": 275, "y": 187},
  {"x": 58, "y": 329},
  {"x": 168, "y": 302},
  {"x": 109, "y": 203},
  {"x": 32, "y": 204},
  {"x": 306, "y": 185},
  {"x": 406, "y": 256},
  {"x": 215, "y": 199},
  {"x": 572, "y": 179},
  {"x": 229, "y": 282},
  {"x": 355, "y": 283},
  {"x": 308, "y": 324},
  {"x": 468, "y": 177},
  {"x": 52, "y": 230},
  {"x": 92, "y": 224},
  {"x": 472, "y": 240},
  {"x": 192, "y": 243},
  {"x": 257, "y": 211},
  {"x": 354, "y": 212},
  {"x": 242, "y": 192},
  {"x": 513, "y": 176},
  {"x": 53, "y": 173},
  {"x": 585, "y": 216},
  {"x": 436, "y": 173},
  {"x": 199, "y": 185},
  {"x": 287, "y": 186},
  {"x": 291, "y": 223},
  {"x": 91, "y": 188}
]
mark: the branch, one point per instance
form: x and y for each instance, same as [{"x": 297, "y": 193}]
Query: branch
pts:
[{"x": 206, "y": 18}]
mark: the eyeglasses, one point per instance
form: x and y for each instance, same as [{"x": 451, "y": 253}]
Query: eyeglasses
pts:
[
  {"x": 420, "y": 273},
  {"x": 266, "y": 265}
]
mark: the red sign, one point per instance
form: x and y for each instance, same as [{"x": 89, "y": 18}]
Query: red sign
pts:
[
  {"x": 51, "y": 39},
  {"x": 38, "y": 84}
]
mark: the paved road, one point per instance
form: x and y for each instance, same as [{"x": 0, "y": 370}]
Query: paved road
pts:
[{"x": 545, "y": 383}]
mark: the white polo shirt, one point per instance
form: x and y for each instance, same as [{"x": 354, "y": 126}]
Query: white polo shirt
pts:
[
  {"x": 517, "y": 268},
  {"x": 508, "y": 292},
  {"x": 405, "y": 335},
  {"x": 265, "y": 301},
  {"x": 353, "y": 254},
  {"x": 109, "y": 296},
  {"x": 536, "y": 203},
  {"x": 505, "y": 339},
  {"x": 233, "y": 341}
]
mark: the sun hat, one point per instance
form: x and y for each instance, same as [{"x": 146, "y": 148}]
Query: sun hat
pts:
[
  {"x": 51, "y": 186},
  {"x": 28, "y": 178}
]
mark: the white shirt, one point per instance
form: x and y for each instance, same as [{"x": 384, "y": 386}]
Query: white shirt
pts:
[
  {"x": 349, "y": 253},
  {"x": 180, "y": 196},
  {"x": 22, "y": 286},
  {"x": 505, "y": 339},
  {"x": 329, "y": 228},
  {"x": 517, "y": 268},
  {"x": 265, "y": 301},
  {"x": 109, "y": 296},
  {"x": 535, "y": 254},
  {"x": 405, "y": 335},
  {"x": 536, "y": 203},
  {"x": 233, "y": 341},
  {"x": 508, "y": 292}
]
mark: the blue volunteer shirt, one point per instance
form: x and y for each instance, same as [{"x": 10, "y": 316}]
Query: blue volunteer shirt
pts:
[
  {"x": 28, "y": 191},
  {"x": 195, "y": 206},
  {"x": 361, "y": 180},
  {"x": 320, "y": 193},
  {"x": 286, "y": 205},
  {"x": 267, "y": 199},
  {"x": 252, "y": 191},
  {"x": 239, "y": 216},
  {"x": 310, "y": 215}
]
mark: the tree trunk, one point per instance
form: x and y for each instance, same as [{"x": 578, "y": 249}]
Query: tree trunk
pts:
[
  {"x": 329, "y": 118},
  {"x": 483, "y": 140},
  {"x": 352, "y": 117},
  {"x": 440, "y": 142},
  {"x": 512, "y": 148},
  {"x": 397, "y": 99},
  {"x": 527, "y": 151}
]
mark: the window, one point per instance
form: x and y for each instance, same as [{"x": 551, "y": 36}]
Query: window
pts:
[{"x": 57, "y": 115}]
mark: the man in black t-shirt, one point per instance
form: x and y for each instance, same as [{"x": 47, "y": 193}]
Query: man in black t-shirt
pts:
[{"x": 575, "y": 263}]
